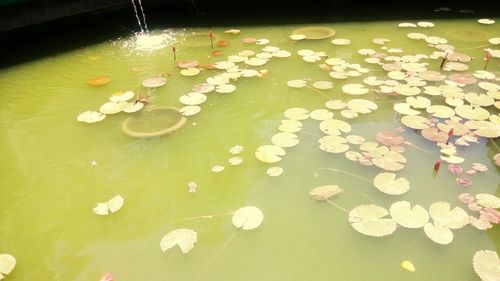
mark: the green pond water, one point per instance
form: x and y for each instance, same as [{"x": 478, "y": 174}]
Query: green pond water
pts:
[{"x": 50, "y": 183}]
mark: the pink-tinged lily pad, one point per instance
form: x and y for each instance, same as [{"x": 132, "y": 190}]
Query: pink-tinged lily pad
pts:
[
  {"x": 473, "y": 206},
  {"x": 480, "y": 223},
  {"x": 492, "y": 215},
  {"x": 496, "y": 159},
  {"x": 479, "y": 167},
  {"x": 389, "y": 138},
  {"x": 456, "y": 170},
  {"x": 464, "y": 182},
  {"x": 108, "y": 277},
  {"x": 466, "y": 198},
  {"x": 471, "y": 172}
]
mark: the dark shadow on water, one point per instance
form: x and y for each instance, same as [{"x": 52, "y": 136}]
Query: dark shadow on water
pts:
[{"x": 34, "y": 41}]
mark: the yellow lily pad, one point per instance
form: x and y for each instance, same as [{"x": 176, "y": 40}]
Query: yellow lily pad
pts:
[
  {"x": 193, "y": 98},
  {"x": 274, "y": 171},
  {"x": 361, "y": 106},
  {"x": 290, "y": 126},
  {"x": 269, "y": 153},
  {"x": 296, "y": 113},
  {"x": 190, "y": 71},
  {"x": 369, "y": 220},
  {"x": 322, "y": 193},
  {"x": 439, "y": 234},
  {"x": 334, "y": 127},
  {"x": 485, "y": 129},
  {"x": 388, "y": 184},
  {"x": 441, "y": 111},
  {"x": 404, "y": 108},
  {"x": 285, "y": 139},
  {"x": 184, "y": 238},
  {"x": 321, "y": 114},
  {"x": 403, "y": 214},
  {"x": 415, "y": 122},
  {"x": 7, "y": 264},
  {"x": 112, "y": 205},
  {"x": 333, "y": 144},
  {"x": 247, "y": 218},
  {"x": 486, "y": 265},
  {"x": 443, "y": 215},
  {"x": 472, "y": 113},
  {"x": 355, "y": 89}
]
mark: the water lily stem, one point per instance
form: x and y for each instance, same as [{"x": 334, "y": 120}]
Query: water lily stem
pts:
[
  {"x": 477, "y": 47},
  {"x": 214, "y": 257},
  {"x": 206, "y": 216},
  {"x": 347, "y": 173},
  {"x": 325, "y": 95},
  {"x": 416, "y": 147},
  {"x": 495, "y": 145},
  {"x": 337, "y": 206}
]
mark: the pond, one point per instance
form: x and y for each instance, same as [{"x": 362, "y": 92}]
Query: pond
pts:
[{"x": 382, "y": 116}]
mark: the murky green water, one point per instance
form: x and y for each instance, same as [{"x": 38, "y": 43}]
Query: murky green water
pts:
[{"x": 49, "y": 185}]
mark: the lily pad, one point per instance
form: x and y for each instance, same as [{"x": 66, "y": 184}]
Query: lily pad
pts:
[
  {"x": 154, "y": 82},
  {"x": 488, "y": 200},
  {"x": 321, "y": 114},
  {"x": 99, "y": 81},
  {"x": 388, "y": 184},
  {"x": 355, "y": 89},
  {"x": 415, "y": 122},
  {"x": 247, "y": 218},
  {"x": 334, "y": 127},
  {"x": 361, "y": 106},
  {"x": 333, "y": 144},
  {"x": 121, "y": 96},
  {"x": 315, "y": 32},
  {"x": 486, "y": 265},
  {"x": 439, "y": 234},
  {"x": 291, "y": 126},
  {"x": 269, "y": 153},
  {"x": 190, "y": 71},
  {"x": 91, "y": 117},
  {"x": 285, "y": 139},
  {"x": 112, "y": 205},
  {"x": 132, "y": 107},
  {"x": 190, "y": 110},
  {"x": 184, "y": 238},
  {"x": 160, "y": 120},
  {"x": 274, "y": 171},
  {"x": 7, "y": 264},
  {"x": 484, "y": 128},
  {"x": 193, "y": 98},
  {"x": 406, "y": 216},
  {"x": 322, "y": 193},
  {"x": 296, "y": 113},
  {"x": 369, "y": 220},
  {"x": 443, "y": 215}
]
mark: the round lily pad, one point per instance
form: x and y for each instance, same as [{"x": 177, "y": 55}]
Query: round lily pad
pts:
[
  {"x": 322, "y": 193},
  {"x": 99, "y": 81},
  {"x": 388, "y": 184},
  {"x": 369, "y": 220},
  {"x": 157, "y": 121},
  {"x": 487, "y": 265},
  {"x": 439, "y": 234},
  {"x": 184, "y": 238},
  {"x": 406, "y": 216},
  {"x": 269, "y": 153},
  {"x": 274, "y": 171},
  {"x": 154, "y": 82},
  {"x": 315, "y": 32},
  {"x": 247, "y": 218}
]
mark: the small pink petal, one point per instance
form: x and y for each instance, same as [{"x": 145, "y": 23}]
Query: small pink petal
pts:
[
  {"x": 464, "y": 182},
  {"x": 466, "y": 198},
  {"x": 471, "y": 172},
  {"x": 455, "y": 169},
  {"x": 473, "y": 206},
  {"x": 107, "y": 277}
]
